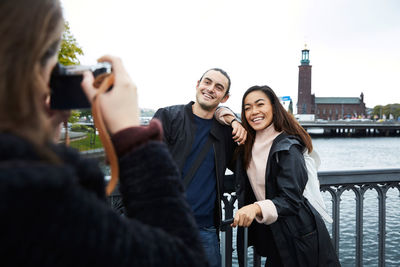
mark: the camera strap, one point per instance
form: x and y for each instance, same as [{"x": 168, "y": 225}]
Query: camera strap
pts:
[{"x": 109, "y": 149}]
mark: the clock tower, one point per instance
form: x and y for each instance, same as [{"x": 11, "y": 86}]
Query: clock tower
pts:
[{"x": 305, "y": 101}]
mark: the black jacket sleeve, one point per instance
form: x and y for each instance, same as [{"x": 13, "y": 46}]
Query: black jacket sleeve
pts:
[
  {"x": 159, "y": 229},
  {"x": 172, "y": 236},
  {"x": 162, "y": 115},
  {"x": 50, "y": 219},
  {"x": 291, "y": 180}
]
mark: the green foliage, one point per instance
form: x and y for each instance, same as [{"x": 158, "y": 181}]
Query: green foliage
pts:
[
  {"x": 393, "y": 109},
  {"x": 85, "y": 113},
  {"x": 75, "y": 115},
  {"x": 87, "y": 143},
  {"x": 81, "y": 128},
  {"x": 70, "y": 49}
]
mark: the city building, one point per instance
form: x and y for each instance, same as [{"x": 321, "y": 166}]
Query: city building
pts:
[{"x": 327, "y": 108}]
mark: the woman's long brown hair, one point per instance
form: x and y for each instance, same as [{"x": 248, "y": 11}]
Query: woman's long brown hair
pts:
[
  {"x": 282, "y": 120},
  {"x": 29, "y": 33}
]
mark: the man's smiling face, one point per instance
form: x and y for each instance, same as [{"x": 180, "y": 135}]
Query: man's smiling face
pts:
[{"x": 211, "y": 90}]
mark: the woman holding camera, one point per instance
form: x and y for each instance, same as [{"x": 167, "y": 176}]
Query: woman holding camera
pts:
[{"x": 52, "y": 202}]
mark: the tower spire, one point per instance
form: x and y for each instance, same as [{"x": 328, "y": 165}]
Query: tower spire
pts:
[{"x": 305, "y": 56}]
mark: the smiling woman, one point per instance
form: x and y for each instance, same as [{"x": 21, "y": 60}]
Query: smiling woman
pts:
[
  {"x": 271, "y": 175},
  {"x": 263, "y": 102},
  {"x": 258, "y": 110}
]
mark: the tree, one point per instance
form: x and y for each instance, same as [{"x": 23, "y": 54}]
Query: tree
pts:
[
  {"x": 75, "y": 115},
  {"x": 393, "y": 109},
  {"x": 68, "y": 55},
  {"x": 85, "y": 113},
  {"x": 70, "y": 49}
]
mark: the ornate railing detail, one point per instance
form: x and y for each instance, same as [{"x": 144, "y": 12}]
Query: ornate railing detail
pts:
[
  {"x": 360, "y": 181},
  {"x": 336, "y": 183}
]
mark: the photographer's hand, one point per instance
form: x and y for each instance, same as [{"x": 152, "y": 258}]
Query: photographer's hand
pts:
[{"x": 119, "y": 106}]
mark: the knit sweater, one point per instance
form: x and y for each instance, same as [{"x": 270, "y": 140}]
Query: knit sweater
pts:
[
  {"x": 256, "y": 173},
  {"x": 56, "y": 215}
]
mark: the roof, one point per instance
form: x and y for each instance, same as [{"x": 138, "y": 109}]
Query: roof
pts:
[{"x": 337, "y": 100}]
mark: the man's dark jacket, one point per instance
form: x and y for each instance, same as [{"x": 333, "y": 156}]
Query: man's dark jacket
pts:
[
  {"x": 299, "y": 235},
  {"x": 179, "y": 130}
]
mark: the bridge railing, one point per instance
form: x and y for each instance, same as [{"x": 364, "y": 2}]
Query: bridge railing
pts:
[{"x": 336, "y": 183}]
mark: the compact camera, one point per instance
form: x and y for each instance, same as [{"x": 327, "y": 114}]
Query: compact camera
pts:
[{"x": 65, "y": 85}]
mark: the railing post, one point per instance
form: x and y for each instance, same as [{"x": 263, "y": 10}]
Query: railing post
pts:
[
  {"x": 245, "y": 256},
  {"x": 382, "y": 225},
  {"x": 227, "y": 240},
  {"x": 223, "y": 249},
  {"x": 359, "y": 192},
  {"x": 336, "y": 219}
]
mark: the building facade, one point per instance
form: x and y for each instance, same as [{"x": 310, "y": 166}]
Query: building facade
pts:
[{"x": 327, "y": 108}]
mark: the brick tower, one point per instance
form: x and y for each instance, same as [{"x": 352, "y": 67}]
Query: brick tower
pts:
[{"x": 305, "y": 101}]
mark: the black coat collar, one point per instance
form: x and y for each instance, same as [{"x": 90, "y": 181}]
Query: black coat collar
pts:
[{"x": 215, "y": 128}]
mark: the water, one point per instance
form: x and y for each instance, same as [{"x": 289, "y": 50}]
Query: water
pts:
[{"x": 360, "y": 153}]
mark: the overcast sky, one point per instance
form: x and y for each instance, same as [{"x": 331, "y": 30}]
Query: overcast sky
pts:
[{"x": 166, "y": 45}]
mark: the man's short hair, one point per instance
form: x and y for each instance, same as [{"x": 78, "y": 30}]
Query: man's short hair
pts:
[{"x": 223, "y": 73}]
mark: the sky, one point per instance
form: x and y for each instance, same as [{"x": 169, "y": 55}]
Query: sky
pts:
[{"x": 166, "y": 45}]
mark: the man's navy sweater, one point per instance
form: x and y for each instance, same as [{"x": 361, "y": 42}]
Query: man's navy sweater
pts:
[{"x": 201, "y": 192}]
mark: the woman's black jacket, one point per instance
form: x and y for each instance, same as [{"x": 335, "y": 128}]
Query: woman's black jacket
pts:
[
  {"x": 57, "y": 215},
  {"x": 299, "y": 235}
]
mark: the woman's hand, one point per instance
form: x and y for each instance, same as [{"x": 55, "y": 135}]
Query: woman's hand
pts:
[
  {"x": 119, "y": 106},
  {"x": 245, "y": 215}
]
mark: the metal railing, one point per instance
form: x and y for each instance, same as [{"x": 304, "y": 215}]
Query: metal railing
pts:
[{"x": 334, "y": 182}]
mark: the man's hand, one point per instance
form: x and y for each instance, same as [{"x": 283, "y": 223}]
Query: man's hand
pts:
[{"x": 239, "y": 134}]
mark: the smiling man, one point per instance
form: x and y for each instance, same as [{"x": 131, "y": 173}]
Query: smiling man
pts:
[{"x": 202, "y": 148}]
